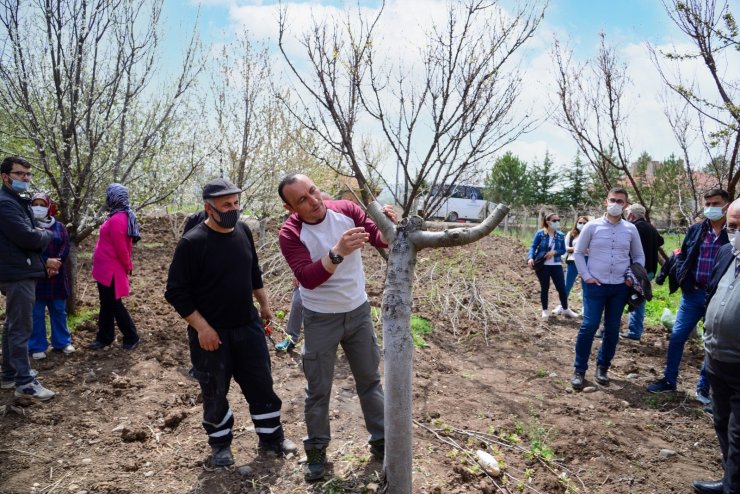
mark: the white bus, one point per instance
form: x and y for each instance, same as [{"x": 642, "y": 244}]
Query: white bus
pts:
[{"x": 464, "y": 202}]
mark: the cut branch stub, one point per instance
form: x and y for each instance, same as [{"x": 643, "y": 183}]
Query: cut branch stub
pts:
[{"x": 459, "y": 236}]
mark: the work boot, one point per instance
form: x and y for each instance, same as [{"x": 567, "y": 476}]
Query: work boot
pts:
[
  {"x": 221, "y": 456},
  {"x": 315, "y": 467},
  {"x": 601, "y": 376},
  {"x": 377, "y": 449},
  {"x": 281, "y": 447},
  {"x": 708, "y": 487},
  {"x": 578, "y": 380}
]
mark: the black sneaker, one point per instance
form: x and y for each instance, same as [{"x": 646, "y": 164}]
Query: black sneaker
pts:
[
  {"x": 277, "y": 448},
  {"x": 377, "y": 449},
  {"x": 601, "y": 376},
  {"x": 97, "y": 345},
  {"x": 578, "y": 380},
  {"x": 221, "y": 456},
  {"x": 661, "y": 386},
  {"x": 131, "y": 346},
  {"x": 315, "y": 467}
]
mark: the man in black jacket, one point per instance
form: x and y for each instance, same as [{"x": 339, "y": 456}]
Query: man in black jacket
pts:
[
  {"x": 693, "y": 270},
  {"x": 651, "y": 240},
  {"x": 213, "y": 276},
  {"x": 21, "y": 243},
  {"x": 722, "y": 347}
]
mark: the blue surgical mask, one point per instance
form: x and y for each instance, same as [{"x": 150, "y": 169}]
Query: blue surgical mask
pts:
[
  {"x": 19, "y": 185},
  {"x": 712, "y": 213},
  {"x": 555, "y": 225}
]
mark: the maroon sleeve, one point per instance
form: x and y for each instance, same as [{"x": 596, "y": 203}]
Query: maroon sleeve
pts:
[
  {"x": 310, "y": 274},
  {"x": 352, "y": 210}
]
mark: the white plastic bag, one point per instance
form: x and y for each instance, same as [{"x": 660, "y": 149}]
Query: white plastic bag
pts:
[{"x": 667, "y": 319}]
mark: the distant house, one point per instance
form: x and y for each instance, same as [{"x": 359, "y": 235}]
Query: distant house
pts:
[{"x": 702, "y": 181}]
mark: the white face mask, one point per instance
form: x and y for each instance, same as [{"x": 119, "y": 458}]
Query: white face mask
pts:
[
  {"x": 40, "y": 212},
  {"x": 579, "y": 226},
  {"x": 555, "y": 225},
  {"x": 735, "y": 241},
  {"x": 614, "y": 209}
]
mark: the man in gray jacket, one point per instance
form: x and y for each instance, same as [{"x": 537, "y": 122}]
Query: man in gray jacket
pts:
[
  {"x": 21, "y": 243},
  {"x": 722, "y": 347}
]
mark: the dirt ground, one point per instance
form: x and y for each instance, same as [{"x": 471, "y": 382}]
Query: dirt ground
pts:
[{"x": 493, "y": 377}]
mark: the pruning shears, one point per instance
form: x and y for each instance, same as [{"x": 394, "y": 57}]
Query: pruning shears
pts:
[{"x": 267, "y": 327}]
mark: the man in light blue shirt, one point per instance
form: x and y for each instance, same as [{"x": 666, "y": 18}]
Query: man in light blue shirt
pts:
[{"x": 612, "y": 244}]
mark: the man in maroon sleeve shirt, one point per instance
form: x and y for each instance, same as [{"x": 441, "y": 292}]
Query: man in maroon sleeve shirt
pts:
[{"x": 322, "y": 242}]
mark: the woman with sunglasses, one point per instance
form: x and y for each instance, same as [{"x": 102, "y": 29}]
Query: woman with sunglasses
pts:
[{"x": 549, "y": 243}]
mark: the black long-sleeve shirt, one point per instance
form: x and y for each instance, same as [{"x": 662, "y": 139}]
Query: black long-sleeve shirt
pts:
[
  {"x": 215, "y": 274},
  {"x": 651, "y": 241}
]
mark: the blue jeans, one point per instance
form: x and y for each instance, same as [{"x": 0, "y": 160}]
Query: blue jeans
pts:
[
  {"x": 19, "y": 298},
  {"x": 571, "y": 273},
  {"x": 637, "y": 318},
  {"x": 690, "y": 312},
  {"x": 60, "y": 336},
  {"x": 610, "y": 301}
]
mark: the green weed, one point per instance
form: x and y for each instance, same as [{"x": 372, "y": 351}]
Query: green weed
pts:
[
  {"x": 75, "y": 320},
  {"x": 334, "y": 486},
  {"x": 651, "y": 402},
  {"x": 420, "y": 327}
]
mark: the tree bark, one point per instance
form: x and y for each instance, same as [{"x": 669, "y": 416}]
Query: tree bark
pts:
[
  {"x": 398, "y": 347},
  {"x": 71, "y": 273}
]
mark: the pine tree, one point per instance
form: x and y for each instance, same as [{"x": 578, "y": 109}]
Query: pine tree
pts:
[
  {"x": 576, "y": 186},
  {"x": 507, "y": 182},
  {"x": 542, "y": 182}
]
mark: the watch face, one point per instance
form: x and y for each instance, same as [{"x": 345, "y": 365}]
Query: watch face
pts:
[{"x": 335, "y": 258}]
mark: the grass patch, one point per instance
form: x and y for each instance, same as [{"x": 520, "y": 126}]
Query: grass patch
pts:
[
  {"x": 420, "y": 327},
  {"x": 84, "y": 315},
  {"x": 661, "y": 300}
]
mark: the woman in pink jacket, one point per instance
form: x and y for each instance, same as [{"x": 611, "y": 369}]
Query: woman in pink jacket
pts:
[{"x": 112, "y": 266}]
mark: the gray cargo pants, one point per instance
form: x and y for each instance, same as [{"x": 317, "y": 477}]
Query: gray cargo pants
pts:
[{"x": 323, "y": 333}]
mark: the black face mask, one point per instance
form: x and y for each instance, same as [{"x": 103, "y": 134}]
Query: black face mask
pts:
[{"x": 228, "y": 219}]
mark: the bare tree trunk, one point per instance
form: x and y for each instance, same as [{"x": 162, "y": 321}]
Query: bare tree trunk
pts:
[
  {"x": 398, "y": 347},
  {"x": 398, "y": 352},
  {"x": 71, "y": 273}
]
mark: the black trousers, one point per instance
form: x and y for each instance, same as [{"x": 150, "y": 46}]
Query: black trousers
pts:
[
  {"x": 724, "y": 380},
  {"x": 112, "y": 308},
  {"x": 242, "y": 354},
  {"x": 554, "y": 272}
]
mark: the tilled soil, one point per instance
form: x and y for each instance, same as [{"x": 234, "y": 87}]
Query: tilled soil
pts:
[{"x": 129, "y": 422}]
